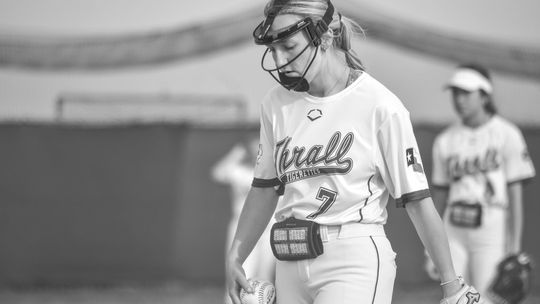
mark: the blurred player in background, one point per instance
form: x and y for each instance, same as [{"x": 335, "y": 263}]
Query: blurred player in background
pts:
[
  {"x": 336, "y": 143},
  {"x": 479, "y": 165},
  {"x": 235, "y": 169}
]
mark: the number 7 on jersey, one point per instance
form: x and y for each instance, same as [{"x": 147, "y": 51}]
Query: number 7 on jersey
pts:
[{"x": 328, "y": 197}]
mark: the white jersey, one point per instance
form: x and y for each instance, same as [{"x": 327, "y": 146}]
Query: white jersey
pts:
[
  {"x": 477, "y": 164},
  {"x": 339, "y": 157}
]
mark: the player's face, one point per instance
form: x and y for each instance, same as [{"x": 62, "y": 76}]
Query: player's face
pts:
[
  {"x": 286, "y": 50},
  {"x": 467, "y": 104}
]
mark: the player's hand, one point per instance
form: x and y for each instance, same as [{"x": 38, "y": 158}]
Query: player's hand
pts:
[{"x": 236, "y": 280}]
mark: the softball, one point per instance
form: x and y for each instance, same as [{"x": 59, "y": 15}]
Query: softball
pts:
[{"x": 264, "y": 292}]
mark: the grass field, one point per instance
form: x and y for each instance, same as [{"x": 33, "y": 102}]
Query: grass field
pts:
[{"x": 179, "y": 293}]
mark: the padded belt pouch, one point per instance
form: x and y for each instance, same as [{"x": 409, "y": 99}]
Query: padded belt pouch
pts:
[
  {"x": 294, "y": 239},
  {"x": 466, "y": 215}
]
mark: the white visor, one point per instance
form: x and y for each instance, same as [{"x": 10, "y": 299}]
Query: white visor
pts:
[{"x": 470, "y": 80}]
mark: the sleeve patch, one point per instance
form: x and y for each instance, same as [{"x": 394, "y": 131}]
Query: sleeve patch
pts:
[{"x": 412, "y": 160}]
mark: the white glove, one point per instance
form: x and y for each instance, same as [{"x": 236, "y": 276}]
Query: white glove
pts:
[{"x": 466, "y": 295}]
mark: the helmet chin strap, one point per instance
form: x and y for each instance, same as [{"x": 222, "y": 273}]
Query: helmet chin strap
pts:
[
  {"x": 295, "y": 83},
  {"x": 299, "y": 84}
]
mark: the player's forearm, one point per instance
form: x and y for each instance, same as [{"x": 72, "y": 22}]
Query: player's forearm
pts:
[
  {"x": 430, "y": 229},
  {"x": 256, "y": 213},
  {"x": 515, "y": 218},
  {"x": 440, "y": 196}
]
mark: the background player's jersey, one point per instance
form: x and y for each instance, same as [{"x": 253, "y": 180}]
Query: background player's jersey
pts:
[
  {"x": 234, "y": 171},
  {"x": 477, "y": 164},
  {"x": 339, "y": 156}
]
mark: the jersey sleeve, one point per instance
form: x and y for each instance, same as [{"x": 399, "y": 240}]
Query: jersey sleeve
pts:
[
  {"x": 265, "y": 171},
  {"x": 439, "y": 175},
  {"x": 400, "y": 164},
  {"x": 518, "y": 165}
]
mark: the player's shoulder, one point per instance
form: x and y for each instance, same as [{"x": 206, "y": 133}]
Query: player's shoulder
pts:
[
  {"x": 504, "y": 130},
  {"x": 384, "y": 100},
  {"x": 278, "y": 95},
  {"x": 383, "y": 96},
  {"x": 502, "y": 124}
]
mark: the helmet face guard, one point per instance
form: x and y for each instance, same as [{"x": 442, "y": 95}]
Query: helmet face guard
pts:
[{"x": 314, "y": 32}]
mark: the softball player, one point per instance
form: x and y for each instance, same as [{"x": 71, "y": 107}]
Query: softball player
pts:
[
  {"x": 336, "y": 143},
  {"x": 236, "y": 170},
  {"x": 479, "y": 164}
]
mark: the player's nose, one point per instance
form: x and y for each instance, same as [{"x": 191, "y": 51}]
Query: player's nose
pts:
[{"x": 280, "y": 58}]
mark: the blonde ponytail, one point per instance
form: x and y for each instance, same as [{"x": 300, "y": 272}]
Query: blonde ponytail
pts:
[{"x": 345, "y": 31}]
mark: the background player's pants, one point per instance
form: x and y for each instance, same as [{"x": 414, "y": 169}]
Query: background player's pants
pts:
[
  {"x": 357, "y": 266},
  {"x": 476, "y": 252}
]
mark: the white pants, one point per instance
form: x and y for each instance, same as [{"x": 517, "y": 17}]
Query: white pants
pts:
[
  {"x": 357, "y": 267},
  {"x": 476, "y": 252}
]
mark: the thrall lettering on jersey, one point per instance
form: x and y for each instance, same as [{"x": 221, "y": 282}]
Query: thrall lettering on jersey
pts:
[
  {"x": 458, "y": 167},
  {"x": 314, "y": 161}
]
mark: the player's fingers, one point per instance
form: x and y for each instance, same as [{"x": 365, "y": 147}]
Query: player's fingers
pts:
[
  {"x": 239, "y": 282},
  {"x": 244, "y": 284},
  {"x": 234, "y": 294}
]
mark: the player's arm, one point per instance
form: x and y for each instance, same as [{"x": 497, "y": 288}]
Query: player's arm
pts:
[
  {"x": 429, "y": 226},
  {"x": 256, "y": 213},
  {"x": 440, "y": 197},
  {"x": 518, "y": 168},
  {"x": 515, "y": 218},
  {"x": 440, "y": 179}
]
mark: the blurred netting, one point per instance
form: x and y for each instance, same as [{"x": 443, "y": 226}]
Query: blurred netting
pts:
[{"x": 195, "y": 109}]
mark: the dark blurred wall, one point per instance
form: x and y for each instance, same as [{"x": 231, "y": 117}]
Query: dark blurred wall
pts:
[{"x": 121, "y": 204}]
